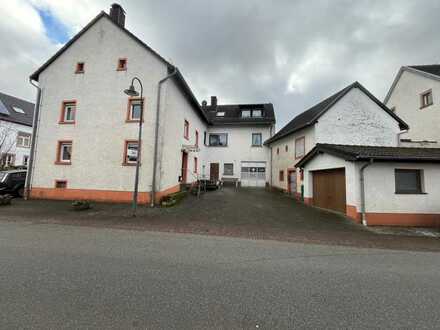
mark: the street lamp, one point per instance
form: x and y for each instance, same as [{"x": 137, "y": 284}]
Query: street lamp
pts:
[{"x": 131, "y": 91}]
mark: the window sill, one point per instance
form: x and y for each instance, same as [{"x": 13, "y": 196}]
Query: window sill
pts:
[
  {"x": 133, "y": 120},
  {"x": 121, "y": 69},
  {"x": 128, "y": 164},
  {"x": 79, "y": 72},
  {"x": 217, "y": 146},
  {"x": 410, "y": 193},
  {"x": 67, "y": 122},
  {"x": 62, "y": 163},
  {"x": 425, "y": 106},
  {"x": 256, "y": 146}
]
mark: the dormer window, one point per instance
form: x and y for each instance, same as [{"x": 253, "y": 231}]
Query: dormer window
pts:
[
  {"x": 257, "y": 113},
  {"x": 245, "y": 113},
  {"x": 251, "y": 113},
  {"x": 79, "y": 67},
  {"x": 122, "y": 64},
  {"x": 220, "y": 114}
]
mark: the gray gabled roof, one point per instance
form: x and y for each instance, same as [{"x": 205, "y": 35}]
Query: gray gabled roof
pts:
[
  {"x": 182, "y": 84},
  {"x": 310, "y": 116},
  {"x": 431, "y": 71},
  {"x": 376, "y": 153},
  {"x": 9, "y": 114},
  {"x": 232, "y": 114}
]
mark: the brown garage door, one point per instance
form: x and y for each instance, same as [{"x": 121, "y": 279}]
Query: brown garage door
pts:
[{"x": 329, "y": 189}]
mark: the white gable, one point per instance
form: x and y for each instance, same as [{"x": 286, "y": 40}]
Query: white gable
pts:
[{"x": 357, "y": 120}]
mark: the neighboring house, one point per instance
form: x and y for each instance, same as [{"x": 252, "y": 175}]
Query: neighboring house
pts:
[
  {"x": 415, "y": 97},
  {"x": 379, "y": 185},
  {"x": 235, "y": 138},
  {"x": 350, "y": 116},
  {"x": 16, "y": 117},
  {"x": 87, "y": 133}
]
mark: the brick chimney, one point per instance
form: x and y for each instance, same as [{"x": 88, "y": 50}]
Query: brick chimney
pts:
[
  {"x": 117, "y": 14},
  {"x": 214, "y": 101}
]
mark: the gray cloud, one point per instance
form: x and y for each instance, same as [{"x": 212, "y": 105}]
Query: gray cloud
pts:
[{"x": 290, "y": 53}]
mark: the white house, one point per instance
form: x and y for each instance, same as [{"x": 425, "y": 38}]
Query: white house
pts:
[
  {"x": 235, "y": 138},
  {"x": 351, "y": 116},
  {"x": 87, "y": 141},
  {"x": 378, "y": 185},
  {"x": 16, "y": 117},
  {"x": 415, "y": 97}
]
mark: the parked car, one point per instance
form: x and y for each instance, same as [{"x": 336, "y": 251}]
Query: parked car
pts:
[{"x": 12, "y": 182}]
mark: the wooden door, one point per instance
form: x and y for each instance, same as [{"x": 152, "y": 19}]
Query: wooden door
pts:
[
  {"x": 329, "y": 189},
  {"x": 292, "y": 181},
  {"x": 184, "y": 166},
  {"x": 214, "y": 171}
]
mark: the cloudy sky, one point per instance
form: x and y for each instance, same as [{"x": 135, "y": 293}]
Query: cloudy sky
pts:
[{"x": 291, "y": 53}]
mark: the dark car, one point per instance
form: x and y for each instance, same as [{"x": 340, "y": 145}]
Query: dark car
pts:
[{"x": 12, "y": 182}]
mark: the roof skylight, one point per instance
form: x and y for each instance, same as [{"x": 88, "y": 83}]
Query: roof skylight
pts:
[{"x": 17, "y": 109}]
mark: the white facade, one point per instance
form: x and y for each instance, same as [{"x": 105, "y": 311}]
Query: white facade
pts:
[
  {"x": 101, "y": 130},
  {"x": 355, "y": 119},
  {"x": 405, "y": 97},
  {"x": 383, "y": 206},
  {"x": 9, "y": 132},
  {"x": 240, "y": 152}
]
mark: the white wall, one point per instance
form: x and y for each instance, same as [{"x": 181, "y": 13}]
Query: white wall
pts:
[
  {"x": 326, "y": 162},
  {"x": 286, "y": 160},
  {"x": 357, "y": 120},
  {"x": 239, "y": 148},
  {"x": 380, "y": 189},
  {"x": 424, "y": 123},
  {"x": 10, "y": 131},
  {"x": 173, "y": 115},
  {"x": 380, "y": 196},
  {"x": 100, "y": 130}
]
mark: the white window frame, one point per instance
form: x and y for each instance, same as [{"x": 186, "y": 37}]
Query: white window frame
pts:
[
  {"x": 300, "y": 152},
  {"x": 23, "y": 140},
  {"x": 63, "y": 147},
  {"x": 69, "y": 107}
]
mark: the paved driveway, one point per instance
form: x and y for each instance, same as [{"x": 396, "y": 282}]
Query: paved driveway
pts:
[{"x": 250, "y": 213}]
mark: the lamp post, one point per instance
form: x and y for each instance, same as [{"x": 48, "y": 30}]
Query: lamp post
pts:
[{"x": 131, "y": 91}]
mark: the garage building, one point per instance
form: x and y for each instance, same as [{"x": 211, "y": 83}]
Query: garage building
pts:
[{"x": 376, "y": 185}]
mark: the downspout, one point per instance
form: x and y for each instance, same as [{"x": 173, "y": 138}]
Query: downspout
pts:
[
  {"x": 156, "y": 135},
  {"x": 399, "y": 134},
  {"x": 364, "y": 218},
  {"x": 271, "y": 160},
  {"x": 27, "y": 184}
]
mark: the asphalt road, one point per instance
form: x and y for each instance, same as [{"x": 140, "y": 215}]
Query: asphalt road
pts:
[{"x": 55, "y": 277}]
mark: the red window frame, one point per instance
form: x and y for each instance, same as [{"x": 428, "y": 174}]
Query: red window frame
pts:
[
  {"x": 128, "y": 118},
  {"x": 63, "y": 112},
  {"x": 281, "y": 176},
  {"x": 122, "y": 64},
  {"x": 60, "y": 182},
  {"x": 58, "y": 160},
  {"x": 124, "y": 160},
  {"x": 197, "y": 138},
  {"x": 80, "y": 67}
]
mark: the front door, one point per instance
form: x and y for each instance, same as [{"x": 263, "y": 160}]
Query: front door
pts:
[
  {"x": 184, "y": 166},
  {"x": 292, "y": 182},
  {"x": 213, "y": 173}
]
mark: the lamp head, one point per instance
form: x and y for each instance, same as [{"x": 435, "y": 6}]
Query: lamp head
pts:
[{"x": 131, "y": 91}]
